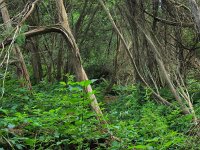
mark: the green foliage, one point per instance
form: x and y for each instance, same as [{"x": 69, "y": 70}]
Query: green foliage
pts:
[
  {"x": 20, "y": 40},
  {"x": 58, "y": 116},
  {"x": 142, "y": 124}
]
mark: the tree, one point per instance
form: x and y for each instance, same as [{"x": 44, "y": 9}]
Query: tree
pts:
[
  {"x": 80, "y": 72},
  {"x": 22, "y": 71}
]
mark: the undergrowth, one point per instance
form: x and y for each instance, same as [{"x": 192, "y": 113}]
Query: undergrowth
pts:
[{"x": 58, "y": 116}]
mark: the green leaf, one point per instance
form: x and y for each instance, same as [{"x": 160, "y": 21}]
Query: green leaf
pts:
[
  {"x": 11, "y": 126},
  {"x": 3, "y": 111},
  {"x": 94, "y": 80},
  {"x": 168, "y": 143},
  {"x": 25, "y": 97},
  {"x": 115, "y": 144},
  {"x": 85, "y": 83},
  {"x": 63, "y": 83},
  {"x": 58, "y": 143},
  {"x": 30, "y": 142},
  {"x": 140, "y": 147}
]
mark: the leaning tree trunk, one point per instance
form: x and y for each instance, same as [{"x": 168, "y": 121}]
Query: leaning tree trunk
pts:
[
  {"x": 22, "y": 71},
  {"x": 78, "y": 68}
]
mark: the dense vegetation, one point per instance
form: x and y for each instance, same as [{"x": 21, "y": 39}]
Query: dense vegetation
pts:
[
  {"x": 58, "y": 116},
  {"x": 116, "y": 75}
]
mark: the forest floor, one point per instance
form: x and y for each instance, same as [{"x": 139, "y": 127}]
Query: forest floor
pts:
[{"x": 58, "y": 116}]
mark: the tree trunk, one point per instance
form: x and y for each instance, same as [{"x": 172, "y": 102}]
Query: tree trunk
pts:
[
  {"x": 22, "y": 71},
  {"x": 78, "y": 68},
  {"x": 162, "y": 100},
  {"x": 32, "y": 47}
]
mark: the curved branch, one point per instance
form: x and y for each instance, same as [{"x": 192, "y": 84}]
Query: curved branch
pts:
[{"x": 34, "y": 32}]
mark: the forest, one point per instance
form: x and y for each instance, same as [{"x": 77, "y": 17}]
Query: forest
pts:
[{"x": 100, "y": 75}]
